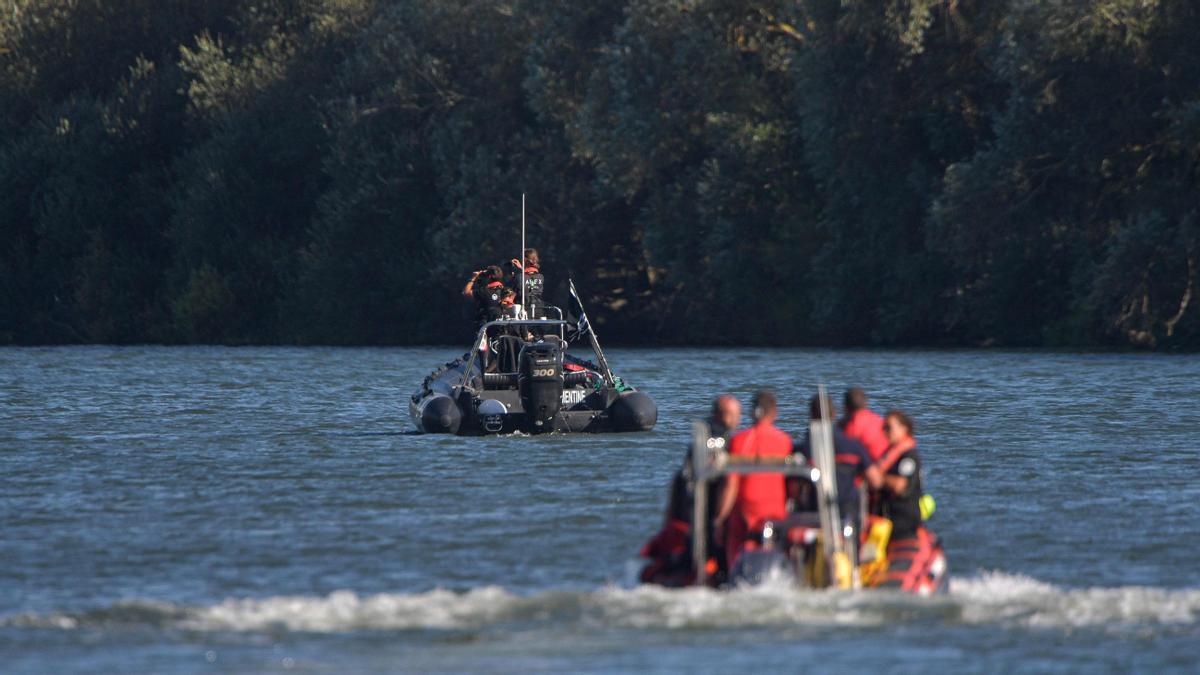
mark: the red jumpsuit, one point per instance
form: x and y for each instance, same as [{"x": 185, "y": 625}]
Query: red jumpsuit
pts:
[
  {"x": 760, "y": 496},
  {"x": 867, "y": 428}
]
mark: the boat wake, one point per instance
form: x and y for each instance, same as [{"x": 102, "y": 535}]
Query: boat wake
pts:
[{"x": 989, "y": 599}]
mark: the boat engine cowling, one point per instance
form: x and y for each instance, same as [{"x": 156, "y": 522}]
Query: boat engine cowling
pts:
[
  {"x": 758, "y": 566},
  {"x": 541, "y": 383}
]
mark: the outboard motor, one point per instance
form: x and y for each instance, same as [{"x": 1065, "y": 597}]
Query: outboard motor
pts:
[
  {"x": 760, "y": 565},
  {"x": 541, "y": 383}
]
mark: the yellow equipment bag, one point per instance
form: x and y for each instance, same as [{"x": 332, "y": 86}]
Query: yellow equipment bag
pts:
[
  {"x": 874, "y": 567},
  {"x": 843, "y": 571},
  {"x": 928, "y": 506}
]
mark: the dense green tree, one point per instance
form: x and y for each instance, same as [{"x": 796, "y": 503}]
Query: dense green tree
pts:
[
  {"x": 890, "y": 93},
  {"x": 1077, "y": 222},
  {"x": 689, "y": 121},
  {"x": 713, "y": 171},
  {"x": 364, "y": 274},
  {"x": 247, "y": 186}
]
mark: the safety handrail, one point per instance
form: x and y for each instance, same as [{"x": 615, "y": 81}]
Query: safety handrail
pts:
[
  {"x": 711, "y": 461},
  {"x": 481, "y": 335},
  {"x": 562, "y": 330}
]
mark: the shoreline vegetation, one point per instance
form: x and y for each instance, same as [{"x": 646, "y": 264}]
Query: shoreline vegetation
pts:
[
  {"x": 451, "y": 346},
  {"x": 896, "y": 174}
]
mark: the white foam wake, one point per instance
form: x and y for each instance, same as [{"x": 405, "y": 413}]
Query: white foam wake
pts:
[
  {"x": 996, "y": 597},
  {"x": 345, "y": 610},
  {"x": 991, "y": 598}
]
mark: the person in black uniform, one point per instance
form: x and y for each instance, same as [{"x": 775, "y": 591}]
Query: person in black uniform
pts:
[
  {"x": 486, "y": 288},
  {"x": 529, "y": 273},
  {"x": 508, "y": 304},
  {"x": 900, "y": 498}
]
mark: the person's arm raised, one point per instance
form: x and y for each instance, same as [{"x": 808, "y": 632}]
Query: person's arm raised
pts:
[{"x": 469, "y": 289}]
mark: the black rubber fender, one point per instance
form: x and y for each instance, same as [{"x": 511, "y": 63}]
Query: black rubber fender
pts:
[
  {"x": 634, "y": 411},
  {"x": 440, "y": 415}
]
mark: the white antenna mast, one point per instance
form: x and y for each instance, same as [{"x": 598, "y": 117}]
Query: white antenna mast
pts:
[{"x": 524, "y": 310}]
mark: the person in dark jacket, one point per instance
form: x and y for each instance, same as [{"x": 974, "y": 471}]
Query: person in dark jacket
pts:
[
  {"x": 670, "y": 550},
  {"x": 486, "y": 289},
  {"x": 854, "y": 464},
  {"x": 900, "y": 498},
  {"x": 529, "y": 274}
]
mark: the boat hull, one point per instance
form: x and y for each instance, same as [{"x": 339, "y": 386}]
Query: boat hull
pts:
[
  {"x": 451, "y": 402},
  {"x": 914, "y": 565}
]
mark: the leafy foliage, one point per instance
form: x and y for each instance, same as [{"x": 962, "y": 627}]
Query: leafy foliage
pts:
[{"x": 712, "y": 171}]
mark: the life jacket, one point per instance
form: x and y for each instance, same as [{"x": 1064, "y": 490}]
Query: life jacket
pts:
[
  {"x": 903, "y": 509},
  {"x": 534, "y": 284},
  {"x": 893, "y": 454},
  {"x": 669, "y": 553},
  {"x": 488, "y": 301}
]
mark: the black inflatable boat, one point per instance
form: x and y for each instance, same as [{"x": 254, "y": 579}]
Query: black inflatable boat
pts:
[{"x": 519, "y": 376}]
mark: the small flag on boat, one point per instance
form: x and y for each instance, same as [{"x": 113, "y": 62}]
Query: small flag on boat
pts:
[{"x": 582, "y": 326}]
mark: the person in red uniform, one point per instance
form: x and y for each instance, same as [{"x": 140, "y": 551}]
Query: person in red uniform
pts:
[
  {"x": 747, "y": 501},
  {"x": 863, "y": 425},
  {"x": 854, "y": 465}
]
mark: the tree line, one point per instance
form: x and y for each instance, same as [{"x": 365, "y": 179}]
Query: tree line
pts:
[{"x": 833, "y": 172}]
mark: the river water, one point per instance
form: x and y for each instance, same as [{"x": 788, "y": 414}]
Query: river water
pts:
[{"x": 269, "y": 509}]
